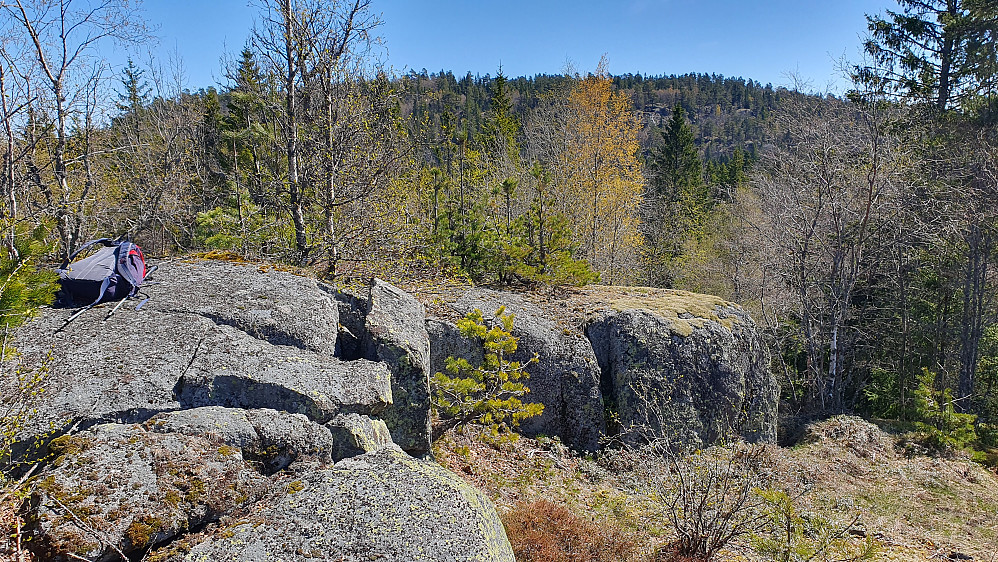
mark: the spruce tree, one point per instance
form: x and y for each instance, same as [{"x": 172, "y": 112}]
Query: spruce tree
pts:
[
  {"x": 941, "y": 52},
  {"x": 942, "y": 55},
  {"x": 676, "y": 165},
  {"x": 136, "y": 92},
  {"x": 681, "y": 204}
]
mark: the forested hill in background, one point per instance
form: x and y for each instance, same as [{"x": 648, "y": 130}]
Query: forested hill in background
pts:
[{"x": 725, "y": 112}]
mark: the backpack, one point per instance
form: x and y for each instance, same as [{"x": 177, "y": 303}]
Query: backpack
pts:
[{"x": 114, "y": 272}]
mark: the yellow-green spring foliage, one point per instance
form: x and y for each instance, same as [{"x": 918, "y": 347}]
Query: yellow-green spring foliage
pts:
[
  {"x": 943, "y": 427},
  {"x": 792, "y": 535},
  {"x": 490, "y": 394},
  {"x": 24, "y": 287}
]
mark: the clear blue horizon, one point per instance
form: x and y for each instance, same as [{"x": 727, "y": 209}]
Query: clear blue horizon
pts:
[{"x": 763, "y": 41}]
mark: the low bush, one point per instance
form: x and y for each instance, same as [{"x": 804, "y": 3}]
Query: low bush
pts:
[
  {"x": 543, "y": 531},
  {"x": 712, "y": 499},
  {"x": 24, "y": 288}
]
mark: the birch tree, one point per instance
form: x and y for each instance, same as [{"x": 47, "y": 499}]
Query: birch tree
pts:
[
  {"x": 829, "y": 191},
  {"x": 940, "y": 58},
  {"x": 601, "y": 175},
  {"x": 57, "y": 48},
  {"x": 308, "y": 45}
]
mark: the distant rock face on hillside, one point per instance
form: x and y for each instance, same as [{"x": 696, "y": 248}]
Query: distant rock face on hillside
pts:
[{"x": 245, "y": 413}]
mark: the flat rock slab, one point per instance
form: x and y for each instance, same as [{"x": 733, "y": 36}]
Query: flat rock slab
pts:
[
  {"x": 121, "y": 370},
  {"x": 277, "y": 438},
  {"x": 243, "y": 373},
  {"x": 263, "y": 301},
  {"x": 384, "y": 505},
  {"x": 236, "y": 335}
]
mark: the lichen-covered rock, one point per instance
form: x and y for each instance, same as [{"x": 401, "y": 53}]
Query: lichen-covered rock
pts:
[
  {"x": 230, "y": 426},
  {"x": 275, "y": 438},
  {"x": 262, "y": 301},
  {"x": 395, "y": 333},
  {"x": 96, "y": 378},
  {"x": 446, "y": 341},
  {"x": 384, "y": 505},
  {"x": 285, "y": 438},
  {"x": 205, "y": 319},
  {"x": 685, "y": 367},
  {"x": 287, "y": 379},
  {"x": 565, "y": 379},
  {"x": 228, "y": 400},
  {"x": 119, "y": 488},
  {"x": 354, "y": 435}
]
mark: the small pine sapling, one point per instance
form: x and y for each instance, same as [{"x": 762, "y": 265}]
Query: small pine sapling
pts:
[
  {"x": 792, "y": 535},
  {"x": 943, "y": 429},
  {"x": 489, "y": 394}
]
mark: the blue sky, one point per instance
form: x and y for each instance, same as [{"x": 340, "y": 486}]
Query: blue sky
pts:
[{"x": 762, "y": 40}]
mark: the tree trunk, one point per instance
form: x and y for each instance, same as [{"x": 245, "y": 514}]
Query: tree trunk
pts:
[
  {"x": 331, "y": 252},
  {"x": 291, "y": 108},
  {"x": 979, "y": 246},
  {"x": 8, "y": 163},
  {"x": 946, "y": 59}
]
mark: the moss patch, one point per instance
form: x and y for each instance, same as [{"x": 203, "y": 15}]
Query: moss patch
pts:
[
  {"x": 683, "y": 310},
  {"x": 67, "y": 445},
  {"x": 142, "y": 531}
]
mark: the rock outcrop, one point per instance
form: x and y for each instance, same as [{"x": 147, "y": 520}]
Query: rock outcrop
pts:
[
  {"x": 656, "y": 363},
  {"x": 285, "y": 379},
  {"x": 215, "y": 325},
  {"x": 275, "y": 439},
  {"x": 384, "y": 505},
  {"x": 224, "y": 396},
  {"x": 119, "y": 489},
  {"x": 395, "y": 333},
  {"x": 685, "y": 368},
  {"x": 247, "y": 413}
]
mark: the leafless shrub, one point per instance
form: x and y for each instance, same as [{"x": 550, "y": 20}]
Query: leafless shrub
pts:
[{"x": 712, "y": 498}]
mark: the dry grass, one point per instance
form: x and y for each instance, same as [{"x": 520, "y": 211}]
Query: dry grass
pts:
[
  {"x": 11, "y": 546},
  {"x": 917, "y": 508}
]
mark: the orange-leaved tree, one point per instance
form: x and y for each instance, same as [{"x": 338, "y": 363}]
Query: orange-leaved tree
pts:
[{"x": 601, "y": 173}]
